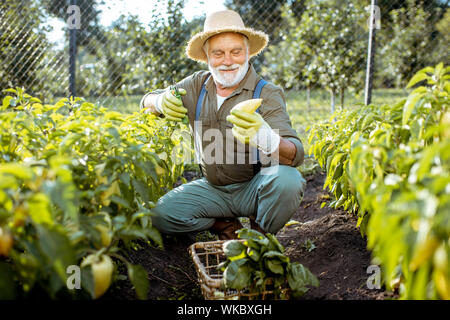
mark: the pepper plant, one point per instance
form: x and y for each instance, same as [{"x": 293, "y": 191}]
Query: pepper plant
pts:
[
  {"x": 391, "y": 165},
  {"x": 78, "y": 180}
]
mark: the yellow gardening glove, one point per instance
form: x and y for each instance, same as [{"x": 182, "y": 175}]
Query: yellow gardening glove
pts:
[
  {"x": 171, "y": 106},
  {"x": 251, "y": 128}
]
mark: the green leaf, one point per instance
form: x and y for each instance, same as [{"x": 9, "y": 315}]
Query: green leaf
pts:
[
  {"x": 429, "y": 70},
  {"x": 148, "y": 168},
  {"x": 120, "y": 201},
  {"x": 299, "y": 277},
  {"x": 438, "y": 69},
  {"x": 419, "y": 90},
  {"x": 252, "y": 244},
  {"x": 222, "y": 266},
  {"x": 426, "y": 161},
  {"x": 154, "y": 235},
  {"x": 233, "y": 248},
  {"x": 19, "y": 171},
  {"x": 114, "y": 133},
  {"x": 8, "y": 182},
  {"x": 263, "y": 243},
  {"x": 253, "y": 254},
  {"x": 56, "y": 249},
  {"x": 142, "y": 189},
  {"x": 87, "y": 281},
  {"x": 309, "y": 245},
  {"x": 274, "y": 241},
  {"x": 36, "y": 100},
  {"x": 418, "y": 77},
  {"x": 245, "y": 233},
  {"x": 114, "y": 115},
  {"x": 139, "y": 279},
  {"x": 237, "y": 275},
  {"x": 39, "y": 205},
  {"x": 409, "y": 107},
  {"x": 275, "y": 266},
  {"x": 276, "y": 255},
  {"x": 125, "y": 178},
  {"x": 6, "y": 102}
]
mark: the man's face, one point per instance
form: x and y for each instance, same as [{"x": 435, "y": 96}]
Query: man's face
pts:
[{"x": 228, "y": 58}]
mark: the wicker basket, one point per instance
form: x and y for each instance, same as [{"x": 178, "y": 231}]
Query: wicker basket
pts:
[{"x": 206, "y": 257}]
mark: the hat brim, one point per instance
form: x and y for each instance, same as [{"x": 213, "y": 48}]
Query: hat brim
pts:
[{"x": 257, "y": 41}]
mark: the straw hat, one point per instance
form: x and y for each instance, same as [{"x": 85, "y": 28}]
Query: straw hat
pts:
[{"x": 225, "y": 21}]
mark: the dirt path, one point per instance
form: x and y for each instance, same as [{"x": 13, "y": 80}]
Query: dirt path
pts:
[
  {"x": 329, "y": 244},
  {"x": 325, "y": 240}
]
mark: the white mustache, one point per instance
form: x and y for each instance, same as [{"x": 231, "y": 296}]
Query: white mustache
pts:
[
  {"x": 234, "y": 66},
  {"x": 229, "y": 79}
]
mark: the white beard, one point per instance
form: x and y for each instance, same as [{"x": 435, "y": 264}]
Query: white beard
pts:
[{"x": 229, "y": 80}]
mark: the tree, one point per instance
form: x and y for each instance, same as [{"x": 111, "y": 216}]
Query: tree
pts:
[
  {"x": 386, "y": 6},
  {"x": 408, "y": 46},
  {"x": 288, "y": 63},
  {"x": 90, "y": 35},
  {"x": 443, "y": 39},
  {"x": 265, "y": 16},
  {"x": 137, "y": 58},
  {"x": 23, "y": 45},
  {"x": 163, "y": 48},
  {"x": 327, "y": 45}
]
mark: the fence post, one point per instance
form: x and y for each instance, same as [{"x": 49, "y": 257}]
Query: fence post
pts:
[
  {"x": 72, "y": 56},
  {"x": 370, "y": 54}
]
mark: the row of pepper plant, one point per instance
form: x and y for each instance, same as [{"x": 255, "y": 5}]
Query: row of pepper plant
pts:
[
  {"x": 77, "y": 185},
  {"x": 390, "y": 165}
]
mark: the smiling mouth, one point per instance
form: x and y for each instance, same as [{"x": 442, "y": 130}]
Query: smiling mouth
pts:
[{"x": 228, "y": 70}]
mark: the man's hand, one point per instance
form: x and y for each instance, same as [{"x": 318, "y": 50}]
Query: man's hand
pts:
[
  {"x": 172, "y": 106},
  {"x": 251, "y": 128}
]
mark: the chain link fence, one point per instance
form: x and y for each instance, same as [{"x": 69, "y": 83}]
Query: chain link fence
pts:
[{"x": 313, "y": 44}]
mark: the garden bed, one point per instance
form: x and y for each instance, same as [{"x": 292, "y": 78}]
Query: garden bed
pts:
[{"x": 325, "y": 240}]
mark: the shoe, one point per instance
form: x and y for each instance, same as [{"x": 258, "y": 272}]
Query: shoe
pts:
[
  {"x": 226, "y": 228},
  {"x": 255, "y": 226}
]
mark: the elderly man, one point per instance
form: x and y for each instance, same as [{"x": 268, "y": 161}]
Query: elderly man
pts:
[{"x": 268, "y": 194}]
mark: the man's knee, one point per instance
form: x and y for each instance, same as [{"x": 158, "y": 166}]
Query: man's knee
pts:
[
  {"x": 177, "y": 219},
  {"x": 289, "y": 183},
  {"x": 285, "y": 190},
  {"x": 161, "y": 220}
]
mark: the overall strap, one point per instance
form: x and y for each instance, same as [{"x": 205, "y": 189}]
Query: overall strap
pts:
[
  {"x": 198, "y": 109},
  {"x": 256, "y": 94},
  {"x": 199, "y": 106}
]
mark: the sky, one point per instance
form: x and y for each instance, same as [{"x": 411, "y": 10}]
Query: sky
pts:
[{"x": 112, "y": 9}]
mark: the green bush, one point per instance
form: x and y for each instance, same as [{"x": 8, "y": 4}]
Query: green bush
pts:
[
  {"x": 390, "y": 164},
  {"x": 75, "y": 180}
]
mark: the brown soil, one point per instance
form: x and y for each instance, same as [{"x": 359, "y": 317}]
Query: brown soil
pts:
[{"x": 338, "y": 256}]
